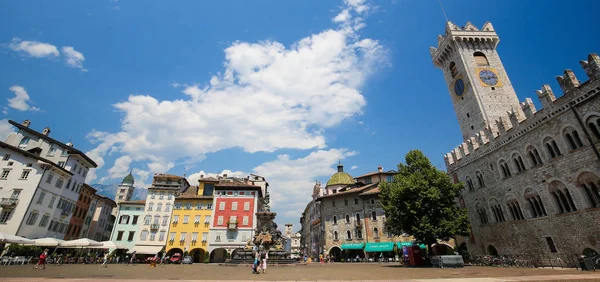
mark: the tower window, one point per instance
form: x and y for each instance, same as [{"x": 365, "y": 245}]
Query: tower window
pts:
[
  {"x": 481, "y": 59},
  {"x": 468, "y": 115},
  {"x": 493, "y": 88},
  {"x": 472, "y": 127},
  {"x": 453, "y": 70}
]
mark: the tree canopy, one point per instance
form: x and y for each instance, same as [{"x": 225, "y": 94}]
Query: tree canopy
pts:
[{"x": 422, "y": 201}]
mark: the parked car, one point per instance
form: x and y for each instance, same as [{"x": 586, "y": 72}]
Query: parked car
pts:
[
  {"x": 187, "y": 260},
  {"x": 176, "y": 258}
]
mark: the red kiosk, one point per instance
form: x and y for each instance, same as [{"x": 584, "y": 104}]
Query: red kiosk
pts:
[{"x": 415, "y": 256}]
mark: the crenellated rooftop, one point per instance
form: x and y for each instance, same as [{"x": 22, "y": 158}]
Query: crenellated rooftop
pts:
[
  {"x": 509, "y": 128},
  {"x": 468, "y": 36}
]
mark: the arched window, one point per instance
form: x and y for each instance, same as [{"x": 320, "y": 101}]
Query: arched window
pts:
[
  {"x": 518, "y": 161},
  {"x": 453, "y": 70},
  {"x": 24, "y": 142},
  {"x": 515, "y": 209},
  {"x": 552, "y": 148},
  {"x": 470, "y": 184},
  {"x": 150, "y": 206},
  {"x": 562, "y": 197},
  {"x": 348, "y": 235},
  {"x": 497, "y": 210},
  {"x": 168, "y": 207},
  {"x": 483, "y": 218},
  {"x": 480, "y": 179},
  {"x": 159, "y": 207},
  {"x": 536, "y": 206},
  {"x": 147, "y": 219},
  {"x": 357, "y": 217},
  {"x": 375, "y": 232},
  {"x": 388, "y": 230},
  {"x": 334, "y": 219},
  {"x": 594, "y": 125},
  {"x": 534, "y": 156},
  {"x": 505, "y": 169},
  {"x": 572, "y": 137},
  {"x": 347, "y": 218},
  {"x": 481, "y": 59},
  {"x": 374, "y": 215},
  {"x": 590, "y": 183},
  {"x": 156, "y": 219},
  {"x": 358, "y": 233},
  {"x": 335, "y": 236}
]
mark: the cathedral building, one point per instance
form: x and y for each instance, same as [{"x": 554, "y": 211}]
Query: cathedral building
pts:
[{"x": 531, "y": 176}]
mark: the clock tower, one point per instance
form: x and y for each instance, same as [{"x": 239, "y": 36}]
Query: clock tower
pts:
[{"x": 479, "y": 87}]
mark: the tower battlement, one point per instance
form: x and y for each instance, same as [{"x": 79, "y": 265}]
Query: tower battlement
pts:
[
  {"x": 468, "y": 36},
  {"x": 508, "y": 129}
]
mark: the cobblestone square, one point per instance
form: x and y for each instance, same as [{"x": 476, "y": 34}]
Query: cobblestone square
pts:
[{"x": 311, "y": 272}]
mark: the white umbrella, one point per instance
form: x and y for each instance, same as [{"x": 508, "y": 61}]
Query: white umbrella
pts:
[
  {"x": 109, "y": 245},
  {"x": 47, "y": 242},
  {"x": 6, "y": 238},
  {"x": 84, "y": 242}
]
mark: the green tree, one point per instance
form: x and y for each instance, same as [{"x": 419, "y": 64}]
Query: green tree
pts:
[{"x": 421, "y": 201}]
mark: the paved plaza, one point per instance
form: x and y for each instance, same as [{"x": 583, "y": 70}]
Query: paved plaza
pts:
[{"x": 312, "y": 272}]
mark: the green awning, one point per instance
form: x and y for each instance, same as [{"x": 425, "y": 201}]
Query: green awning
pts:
[
  {"x": 355, "y": 246},
  {"x": 379, "y": 247},
  {"x": 408, "y": 244}
]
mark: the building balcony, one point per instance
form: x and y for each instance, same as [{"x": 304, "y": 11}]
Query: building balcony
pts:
[
  {"x": 9, "y": 203},
  {"x": 154, "y": 226},
  {"x": 232, "y": 225}
]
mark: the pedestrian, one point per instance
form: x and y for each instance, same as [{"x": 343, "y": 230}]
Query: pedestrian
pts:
[
  {"x": 42, "y": 262},
  {"x": 321, "y": 259},
  {"x": 381, "y": 257},
  {"x": 264, "y": 266},
  {"x": 117, "y": 259},
  {"x": 133, "y": 258},
  {"x": 105, "y": 260}
]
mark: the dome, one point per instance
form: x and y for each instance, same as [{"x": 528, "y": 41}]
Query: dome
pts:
[
  {"x": 128, "y": 179},
  {"x": 340, "y": 177}
]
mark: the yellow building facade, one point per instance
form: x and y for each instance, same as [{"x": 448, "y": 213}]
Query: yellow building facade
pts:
[{"x": 190, "y": 222}]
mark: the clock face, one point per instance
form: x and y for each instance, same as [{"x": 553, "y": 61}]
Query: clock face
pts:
[
  {"x": 459, "y": 87},
  {"x": 488, "y": 77}
]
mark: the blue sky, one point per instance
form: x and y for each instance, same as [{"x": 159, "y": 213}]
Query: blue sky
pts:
[{"x": 279, "y": 88}]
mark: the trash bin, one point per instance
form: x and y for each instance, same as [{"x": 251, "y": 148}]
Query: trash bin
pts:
[{"x": 586, "y": 263}]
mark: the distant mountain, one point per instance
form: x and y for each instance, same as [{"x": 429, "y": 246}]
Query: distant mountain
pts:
[{"x": 110, "y": 191}]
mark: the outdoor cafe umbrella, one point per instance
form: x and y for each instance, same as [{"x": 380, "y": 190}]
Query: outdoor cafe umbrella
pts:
[
  {"x": 108, "y": 245},
  {"x": 81, "y": 243},
  {"x": 47, "y": 242},
  {"x": 6, "y": 238}
]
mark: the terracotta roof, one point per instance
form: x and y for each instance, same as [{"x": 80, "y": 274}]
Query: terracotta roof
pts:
[
  {"x": 371, "y": 192},
  {"x": 28, "y": 154},
  {"x": 375, "y": 173},
  {"x": 86, "y": 186},
  {"x": 235, "y": 184},
  {"x": 138, "y": 202},
  {"x": 209, "y": 179},
  {"x": 350, "y": 191},
  {"x": 70, "y": 149}
]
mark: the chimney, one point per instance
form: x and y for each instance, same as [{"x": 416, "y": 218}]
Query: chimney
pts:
[
  {"x": 224, "y": 175},
  {"x": 201, "y": 176},
  {"x": 46, "y": 131},
  {"x": 380, "y": 168},
  {"x": 26, "y": 123}
]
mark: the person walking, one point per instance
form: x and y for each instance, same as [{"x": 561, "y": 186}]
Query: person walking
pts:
[
  {"x": 264, "y": 266},
  {"x": 132, "y": 258},
  {"x": 42, "y": 261},
  {"x": 105, "y": 260}
]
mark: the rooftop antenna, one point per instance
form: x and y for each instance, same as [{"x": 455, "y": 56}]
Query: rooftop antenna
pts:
[{"x": 443, "y": 11}]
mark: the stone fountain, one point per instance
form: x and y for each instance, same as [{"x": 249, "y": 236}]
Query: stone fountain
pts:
[{"x": 267, "y": 238}]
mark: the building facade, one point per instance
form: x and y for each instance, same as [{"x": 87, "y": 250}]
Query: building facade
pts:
[
  {"x": 41, "y": 180},
  {"x": 80, "y": 213},
  {"x": 103, "y": 219},
  {"x": 531, "y": 177},
  {"x": 158, "y": 210},
  {"x": 233, "y": 219},
  {"x": 129, "y": 218},
  {"x": 190, "y": 223}
]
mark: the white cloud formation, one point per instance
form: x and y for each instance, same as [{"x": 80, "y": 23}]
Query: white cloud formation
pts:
[
  {"x": 354, "y": 167},
  {"x": 268, "y": 97},
  {"x": 21, "y": 99},
  {"x": 73, "y": 58},
  {"x": 121, "y": 167},
  {"x": 5, "y": 129},
  {"x": 33, "y": 48}
]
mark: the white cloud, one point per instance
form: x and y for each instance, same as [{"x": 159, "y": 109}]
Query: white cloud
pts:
[
  {"x": 354, "y": 167},
  {"x": 33, "y": 48},
  {"x": 73, "y": 58},
  {"x": 19, "y": 102},
  {"x": 268, "y": 97},
  {"x": 343, "y": 16},
  {"x": 361, "y": 122},
  {"x": 120, "y": 168},
  {"x": 5, "y": 129}
]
